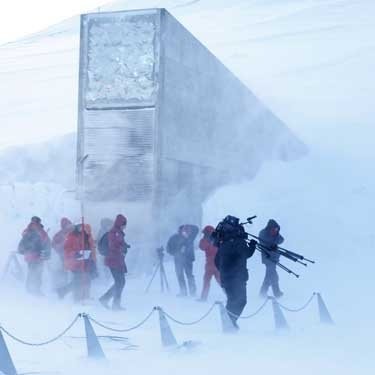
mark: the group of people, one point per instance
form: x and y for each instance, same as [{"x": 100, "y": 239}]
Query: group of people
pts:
[
  {"x": 77, "y": 252},
  {"x": 226, "y": 260}
]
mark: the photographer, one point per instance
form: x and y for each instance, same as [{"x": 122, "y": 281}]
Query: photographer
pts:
[
  {"x": 181, "y": 247},
  {"x": 270, "y": 237},
  {"x": 231, "y": 261}
]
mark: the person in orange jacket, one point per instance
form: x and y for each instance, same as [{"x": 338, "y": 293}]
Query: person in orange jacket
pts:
[
  {"x": 206, "y": 245},
  {"x": 78, "y": 263},
  {"x": 58, "y": 240},
  {"x": 35, "y": 245}
]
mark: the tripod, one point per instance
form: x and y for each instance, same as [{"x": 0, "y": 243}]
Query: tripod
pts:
[
  {"x": 163, "y": 276},
  {"x": 17, "y": 272}
]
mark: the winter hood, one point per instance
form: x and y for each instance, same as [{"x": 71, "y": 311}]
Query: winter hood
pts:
[{"x": 272, "y": 224}]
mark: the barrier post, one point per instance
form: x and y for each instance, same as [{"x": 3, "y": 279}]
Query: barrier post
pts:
[
  {"x": 324, "y": 315},
  {"x": 166, "y": 333},
  {"x": 94, "y": 349},
  {"x": 280, "y": 322},
  {"x": 6, "y": 363}
]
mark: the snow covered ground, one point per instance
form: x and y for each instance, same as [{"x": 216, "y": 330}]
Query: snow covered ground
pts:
[{"x": 311, "y": 62}]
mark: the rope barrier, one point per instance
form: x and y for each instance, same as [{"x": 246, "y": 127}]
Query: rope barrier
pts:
[
  {"x": 44, "y": 342},
  {"x": 125, "y": 329},
  {"x": 194, "y": 321},
  {"x": 257, "y": 311},
  {"x": 250, "y": 315},
  {"x": 142, "y": 322},
  {"x": 299, "y": 309}
]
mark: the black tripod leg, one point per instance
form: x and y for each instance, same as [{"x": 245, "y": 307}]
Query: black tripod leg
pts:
[
  {"x": 161, "y": 278},
  {"x": 7, "y": 267},
  {"x": 152, "y": 278},
  {"x": 164, "y": 276},
  {"x": 19, "y": 269}
]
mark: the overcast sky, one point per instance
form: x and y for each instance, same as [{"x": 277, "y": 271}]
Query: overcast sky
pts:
[{"x": 21, "y": 17}]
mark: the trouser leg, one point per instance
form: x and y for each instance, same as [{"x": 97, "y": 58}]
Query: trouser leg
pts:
[
  {"x": 119, "y": 277},
  {"x": 34, "y": 277},
  {"x": 86, "y": 283},
  {"x": 111, "y": 292},
  {"x": 179, "y": 268},
  {"x": 29, "y": 278},
  {"x": 206, "y": 283},
  {"x": 108, "y": 294},
  {"x": 38, "y": 277},
  {"x": 236, "y": 298},
  {"x": 61, "y": 276},
  {"x": 77, "y": 286},
  {"x": 274, "y": 281},
  {"x": 217, "y": 276},
  {"x": 188, "y": 269},
  {"x": 267, "y": 281}
]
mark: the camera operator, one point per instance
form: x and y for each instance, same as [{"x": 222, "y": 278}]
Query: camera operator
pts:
[
  {"x": 231, "y": 261},
  {"x": 269, "y": 238}
]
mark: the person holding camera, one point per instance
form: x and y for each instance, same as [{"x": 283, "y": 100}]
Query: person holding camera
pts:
[
  {"x": 115, "y": 261},
  {"x": 269, "y": 238},
  {"x": 181, "y": 247},
  {"x": 231, "y": 261}
]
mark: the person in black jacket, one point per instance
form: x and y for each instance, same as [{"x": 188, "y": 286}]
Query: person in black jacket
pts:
[
  {"x": 269, "y": 238},
  {"x": 181, "y": 247},
  {"x": 231, "y": 261}
]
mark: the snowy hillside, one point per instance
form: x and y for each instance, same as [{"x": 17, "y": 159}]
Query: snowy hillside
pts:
[
  {"x": 52, "y": 161},
  {"x": 311, "y": 62}
]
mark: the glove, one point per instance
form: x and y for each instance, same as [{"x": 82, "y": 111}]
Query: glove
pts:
[
  {"x": 45, "y": 254},
  {"x": 78, "y": 256},
  {"x": 252, "y": 244}
]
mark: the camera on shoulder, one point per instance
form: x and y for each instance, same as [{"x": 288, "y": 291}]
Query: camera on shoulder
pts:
[{"x": 228, "y": 229}]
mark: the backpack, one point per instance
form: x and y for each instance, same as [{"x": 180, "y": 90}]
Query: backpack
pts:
[
  {"x": 175, "y": 244},
  {"x": 30, "y": 241},
  {"x": 103, "y": 244}
]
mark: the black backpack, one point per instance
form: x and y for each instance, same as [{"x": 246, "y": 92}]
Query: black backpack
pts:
[
  {"x": 30, "y": 241},
  {"x": 103, "y": 244},
  {"x": 175, "y": 244}
]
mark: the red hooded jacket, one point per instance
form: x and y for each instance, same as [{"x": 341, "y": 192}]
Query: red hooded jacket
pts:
[
  {"x": 59, "y": 238},
  {"x": 208, "y": 247},
  {"x": 72, "y": 247},
  {"x": 34, "y": 241},
  {"x": 116, "y": 245}
]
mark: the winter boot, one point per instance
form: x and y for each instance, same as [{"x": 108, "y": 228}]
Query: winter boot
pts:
[{"x": 104, "y": 302}]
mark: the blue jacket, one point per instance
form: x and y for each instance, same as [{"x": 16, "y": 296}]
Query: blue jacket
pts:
[{"x": 268, "y": 240}]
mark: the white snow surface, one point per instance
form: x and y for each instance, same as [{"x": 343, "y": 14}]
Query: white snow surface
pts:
[{"x": 311, "y": 62}]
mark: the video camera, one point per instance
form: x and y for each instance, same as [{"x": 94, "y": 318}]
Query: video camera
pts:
[
  {"x": 229, "y": 228},
  {"x": 160, "y": 252}
]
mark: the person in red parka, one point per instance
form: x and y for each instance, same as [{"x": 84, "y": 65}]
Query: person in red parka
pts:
[
  {"x": 58, "y": 241},
  {"x": 35, "y": 245},
  {"x": 77, "y": 262},
  {"x": 115, "y": 261},
  {"x": 206, "y": 245},
  {"x": 59, "y": 238}
]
